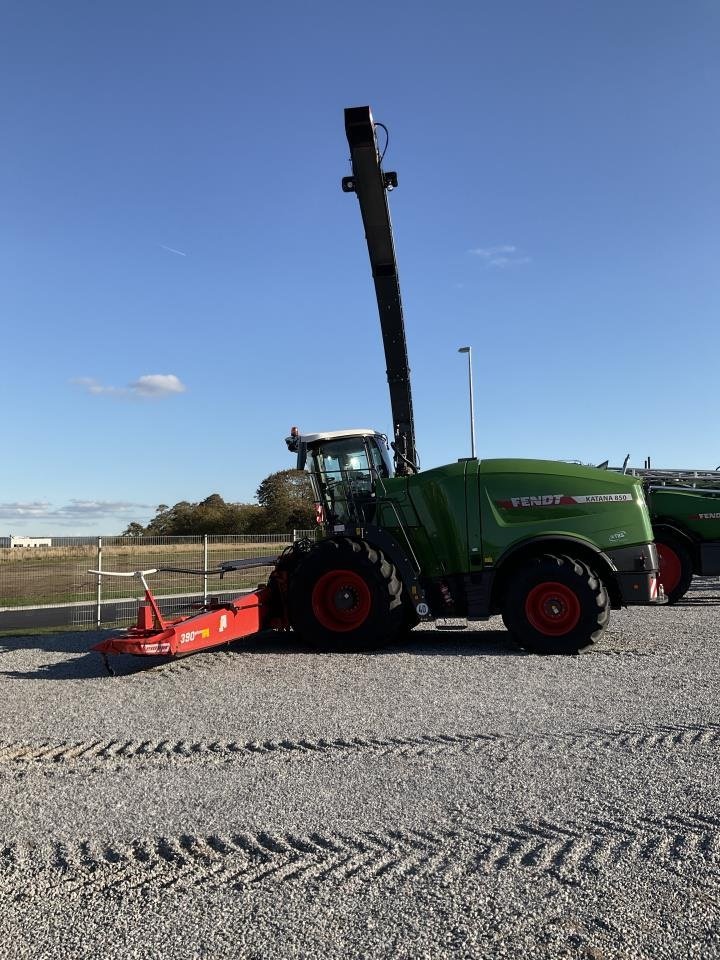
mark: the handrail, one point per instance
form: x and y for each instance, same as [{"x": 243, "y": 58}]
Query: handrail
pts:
[
  {"x": 140, "y": 574},
  {"x": 125, "y": 573}
]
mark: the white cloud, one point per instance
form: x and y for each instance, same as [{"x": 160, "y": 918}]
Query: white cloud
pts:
[
  {"x": 75, "y": 512},
  {"x": 172, "y": 250},
  {"x": 504, "y": 255},
  {"x": 508, "y": 261},
  {"x": 92, "y": 386},
  {"x": 149, "y": 385},
  {"x": 158, "y": 384},
  {"x": 23, "y": 510},
  {"x": 99, "y": 508},
  {"x": 487, "y": 253}
]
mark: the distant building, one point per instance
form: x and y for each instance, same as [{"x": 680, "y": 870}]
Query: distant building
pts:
[{"x": 30, "y": 541}]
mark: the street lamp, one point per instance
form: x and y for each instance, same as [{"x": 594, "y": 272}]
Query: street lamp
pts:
[{"x": 468, "y": 351}]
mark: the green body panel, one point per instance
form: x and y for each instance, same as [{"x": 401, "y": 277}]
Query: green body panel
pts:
[
  {"x": 695, "y": 511},
  {"x": 434, "y": 512},
  {"x": 467, "y": 515}
]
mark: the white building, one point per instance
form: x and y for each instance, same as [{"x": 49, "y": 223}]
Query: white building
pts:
[{"x": 30, "y": 541}]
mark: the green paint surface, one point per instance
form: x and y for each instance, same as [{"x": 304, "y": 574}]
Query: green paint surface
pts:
[
  {"x": 455, "y": 514},
  {"x": 695, "y": 511}
]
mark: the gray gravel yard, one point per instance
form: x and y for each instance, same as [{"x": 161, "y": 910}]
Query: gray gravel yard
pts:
[{"x": 448, "y": 797}]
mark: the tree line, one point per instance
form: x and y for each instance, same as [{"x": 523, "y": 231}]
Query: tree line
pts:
[{"x": 284, "y": 503}]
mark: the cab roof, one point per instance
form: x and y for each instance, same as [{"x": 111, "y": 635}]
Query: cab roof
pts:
[{"x": 336, "y": 434}]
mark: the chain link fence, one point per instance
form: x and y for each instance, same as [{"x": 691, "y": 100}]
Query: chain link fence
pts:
[{"x": 51, "y": 586}]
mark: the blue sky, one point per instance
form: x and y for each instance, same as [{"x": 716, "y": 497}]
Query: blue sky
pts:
[{"x": 182, "y": 279}]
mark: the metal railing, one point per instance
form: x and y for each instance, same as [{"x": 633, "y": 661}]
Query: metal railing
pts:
[{"x": 50, "y": 586}]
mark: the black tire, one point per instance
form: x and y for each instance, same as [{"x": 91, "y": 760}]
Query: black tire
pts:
[
  {"x": 676, "y": 565},
  {"x": 410, "y": 621},
  {"x": 556, "y": 605},
  {"x": 345, "y": 595}
]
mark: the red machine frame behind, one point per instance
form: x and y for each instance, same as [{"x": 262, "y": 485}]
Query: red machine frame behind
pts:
[{"x": 216, "y": 623}]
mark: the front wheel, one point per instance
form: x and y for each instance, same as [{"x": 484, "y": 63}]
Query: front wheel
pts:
[
  {"x": 556, "y": 605},
  {"x": 345, "y": 595}
]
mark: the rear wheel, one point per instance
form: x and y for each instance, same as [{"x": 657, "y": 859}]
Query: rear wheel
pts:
[
  {"x": 676, "y": 568},
  {"x": 346, "y": 595},
  {"x": 556, "y": 605}
]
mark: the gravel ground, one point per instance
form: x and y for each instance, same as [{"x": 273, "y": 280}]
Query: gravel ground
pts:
[{"x": 448, "y": 797}]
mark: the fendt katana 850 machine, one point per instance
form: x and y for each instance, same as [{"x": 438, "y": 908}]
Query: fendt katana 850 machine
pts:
[
  {"x": 549, "y": 546},
  {"x": 685, "y": 513}
]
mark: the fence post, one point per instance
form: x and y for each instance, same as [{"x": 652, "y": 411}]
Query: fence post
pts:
[
  {"x": 205, "y": 567},
  {"x": 99, "y": 584},
  {"x": 294, "y": 535}
]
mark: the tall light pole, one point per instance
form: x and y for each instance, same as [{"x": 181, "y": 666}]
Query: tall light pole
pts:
[{"x": 468, "y": 351}]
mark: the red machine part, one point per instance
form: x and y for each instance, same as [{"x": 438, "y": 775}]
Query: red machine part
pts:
[
  {"x": 670, "y": 567},
  {"x": 553, "y": 609},
  {"x": 154, "y": 635}
]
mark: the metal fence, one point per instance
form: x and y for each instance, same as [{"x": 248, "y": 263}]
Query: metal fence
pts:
[{"x": 51, "y": 587}]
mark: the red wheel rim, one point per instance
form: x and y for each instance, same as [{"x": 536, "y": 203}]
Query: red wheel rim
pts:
[
  {"x": 341, "y": 601},
  {"x": 670, "y": 567},
  {"x": 552, "y": 608}
]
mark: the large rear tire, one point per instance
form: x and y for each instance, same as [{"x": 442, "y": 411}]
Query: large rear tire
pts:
[
  {"x": 556, "y": 605},
  {"x": 676, "y": 569},
  {"x": 345, "y": 595}
]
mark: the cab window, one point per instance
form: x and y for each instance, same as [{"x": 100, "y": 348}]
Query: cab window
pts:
[
  {"x": 343, "y": 459},
  {"x": 379, "y": 457}
]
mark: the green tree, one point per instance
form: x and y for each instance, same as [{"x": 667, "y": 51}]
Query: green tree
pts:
[
  {"x": 287, "y": 499},
  {"x": 251, "y": 517},
  {"x": 210, "y": 516},
  {"x": 133, "y": 529},
  {"x": 171, "y": 521},
  {"x": 285, "y": 503}
]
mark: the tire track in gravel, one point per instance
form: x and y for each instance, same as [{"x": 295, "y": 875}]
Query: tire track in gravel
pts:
[
  {"x": 243, "y": 860},
  {"x": 662, "y": 736},
  {"x": 621, "y": 652},
  {"x": 193, "y": 662}
]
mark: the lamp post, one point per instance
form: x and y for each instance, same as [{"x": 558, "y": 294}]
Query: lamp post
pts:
[{"x": 468, "y": 351}]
